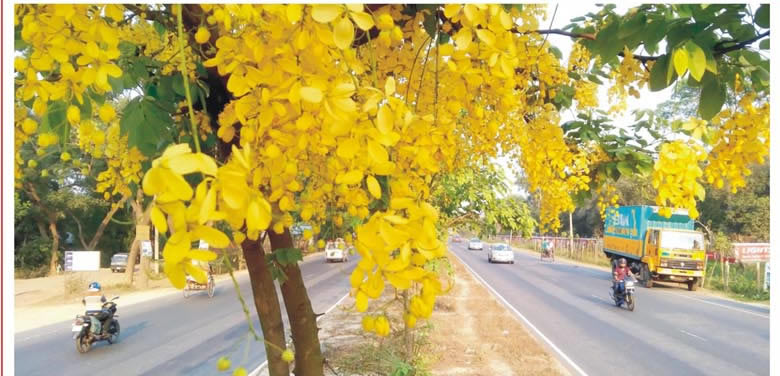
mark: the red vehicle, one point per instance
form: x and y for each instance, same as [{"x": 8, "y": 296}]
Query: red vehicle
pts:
[{"x": 457, "y": 239}]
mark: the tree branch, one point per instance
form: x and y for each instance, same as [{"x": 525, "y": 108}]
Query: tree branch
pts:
[
  {"x": 81, "y": 234},
  {"x": 717, "y": 50}
]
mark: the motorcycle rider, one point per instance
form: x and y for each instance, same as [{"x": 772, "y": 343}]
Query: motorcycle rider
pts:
[
  {"x": 93, "y": 303},
  {"x": 619, "y": 275}
]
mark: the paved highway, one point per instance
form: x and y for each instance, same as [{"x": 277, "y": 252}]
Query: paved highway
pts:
[
  {"x": 671, "y": 332},
  {"x": 172, "y": 335}
]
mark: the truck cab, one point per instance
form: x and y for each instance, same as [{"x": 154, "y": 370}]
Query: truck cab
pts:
[{"x": 656, "y": 247}]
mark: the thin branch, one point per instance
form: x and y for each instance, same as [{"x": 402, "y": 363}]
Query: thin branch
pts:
[{"x": 81, "y": 234}]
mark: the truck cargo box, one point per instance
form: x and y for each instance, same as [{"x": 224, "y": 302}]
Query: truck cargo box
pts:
[{"x": 625, "y": 228}]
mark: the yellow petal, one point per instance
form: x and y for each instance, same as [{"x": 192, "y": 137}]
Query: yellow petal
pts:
[
  {"x": 174, "y": 150},
  {"x": 196, "y": 272},
  {"x": 325, "y": 13},
  {"x": 175, "y": 274},
  {"x": 373, "y": 187},
  {"x": 396, "y": 219},
  {"x": 158, "y": 219},
  {"x": 176, "y": 247},
  {"x": 361, "y": 301},
  {"x": 397, "y": 281},
  {"x": 390, "y": 86},
  {"x": 377, "y": 152},
  {"x": 343, "y": 33},
  {"x": 294, "y": 12},
  {"x": 363, "y": 20},
  {"x": 311, "y": 94},
  {"x": 153, "y": 182},
  {"x": 348, "y": 148},
  {"x": 486, "y": 36},
  {"x": 356, "y": 277},
  {"x": 208, "y": 207},
  {"x": 202, "y": 255},
  {"x": 385, "y": 120},
  {"x": 353, "y": 177},
  {"x": 214, "y": 237}
]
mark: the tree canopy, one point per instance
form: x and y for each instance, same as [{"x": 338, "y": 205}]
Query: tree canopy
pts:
[{"x": 254, "y": 115}]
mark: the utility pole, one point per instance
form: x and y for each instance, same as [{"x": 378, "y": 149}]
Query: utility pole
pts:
[{"x": 571, "y": 234}]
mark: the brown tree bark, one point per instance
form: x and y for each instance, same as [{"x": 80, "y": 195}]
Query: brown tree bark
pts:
[
  {"x": 104, "y": 223},
  {"x": 55, "y": 245},
  {"x": 140, "y": 217},
  {"x": 267, "y": 305},
  {"x": 303, "y": 321}
]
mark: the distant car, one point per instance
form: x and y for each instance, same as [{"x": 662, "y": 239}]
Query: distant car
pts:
[
  {"x": 119, "y": 262},
  {"x": 457, "y": 239},
  {"x": 500, "y": 252},
  {"x": 335, "y": 251},
  {"x": 475, "y": 244}
]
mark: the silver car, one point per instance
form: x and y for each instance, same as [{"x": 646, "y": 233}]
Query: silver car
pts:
[
  {"x": 475, "y": 243},
  {"x": 336, "y": 251},
  {"x": 500, "y": 252}
]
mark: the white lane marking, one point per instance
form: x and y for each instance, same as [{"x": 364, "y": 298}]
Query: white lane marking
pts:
[
  {"x": 720, "y": 305},
  {"x": 527, "y": 322},
  {"x": 259, "y": 368},
  {"x": 692, "y": 335}
]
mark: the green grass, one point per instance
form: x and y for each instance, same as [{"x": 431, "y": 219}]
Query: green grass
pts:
[
  {"x": 741, "y": 284},
  {"x": 386, "y": 356}
]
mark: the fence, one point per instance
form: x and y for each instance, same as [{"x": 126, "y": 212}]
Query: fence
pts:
[{"x": 584, "y": 249}]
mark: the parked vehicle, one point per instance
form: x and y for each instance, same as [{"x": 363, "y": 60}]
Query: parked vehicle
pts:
[
  {"x": 656, "y": 247},
  {"x": 475, "y": 243},
  {"x": 119, "y": 262},
  {"x": 500, "y": 252},
  {"x": 109, "y": 331},
  {"x": 626, "y": 297},
  {"x": 336, "y": 251}
]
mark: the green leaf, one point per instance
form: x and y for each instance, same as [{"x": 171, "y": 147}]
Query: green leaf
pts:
[
  {"x": 430, "y": 24},
  {"x": 126, "y": 49},
  {"x": 713, "y": 95},
  {"x": 145, "y": 123},
  {"x": 697, "y": 61},
  {"x": 625, "y": 168},
  {"x": 764, "y": 44},
  {"x": 658, "y": 74},
  {"x": 159, "y": 28},
  {"x": 556, "y": 52},
  {"x": 444, "y": 38},
  {"x": 55, "y": 120},
  {"x": 593, "y": 78},
  {"x": 762, "y": 16},
  {"x": 680, "y": 60}
]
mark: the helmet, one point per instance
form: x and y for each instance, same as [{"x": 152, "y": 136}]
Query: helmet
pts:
[
  {"x": 622, "y": 261},
  {"x": 94, "y": 286}
]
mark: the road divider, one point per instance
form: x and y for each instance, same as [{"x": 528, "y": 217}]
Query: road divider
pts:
[{"x": 538, "y": 332}]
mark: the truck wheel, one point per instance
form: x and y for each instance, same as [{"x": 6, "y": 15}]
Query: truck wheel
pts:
[
  {"x": 692, "y": 285},
  {"x": 646, "y": 277}
]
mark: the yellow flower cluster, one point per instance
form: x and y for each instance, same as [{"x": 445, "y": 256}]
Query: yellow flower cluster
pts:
[
  {"x": 72, "y": 39},
  {"x": 585, "y": 91},
  {"x": 123, "y": 165},
  {"x": 607, "y": 199},
  {"x": 629, "y": 78},
  {"x": 676, "y": 176},
  {"x": 742, "y": 138}
]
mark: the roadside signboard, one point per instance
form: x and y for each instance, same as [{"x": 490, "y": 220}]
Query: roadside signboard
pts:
[
  {"x": 146, "y": 248},
  {"x": 751, "y": 252},
  {"x": 85, "y": 261},
  {"x": 766, "y": 277},
  {"x": 68, "y": 261}
]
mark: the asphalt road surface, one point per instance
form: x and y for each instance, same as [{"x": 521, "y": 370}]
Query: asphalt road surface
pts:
[
  {"x": 672, "y": 331},
  {"x": 172, "y": 335}
]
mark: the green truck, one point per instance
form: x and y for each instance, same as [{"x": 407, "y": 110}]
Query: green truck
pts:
[{"x": 656, "y": 248}]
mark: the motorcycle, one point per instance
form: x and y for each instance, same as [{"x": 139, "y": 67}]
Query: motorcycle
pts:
[
  {"x": 627, "y": 296},
  {"x": 109, "y": 328}
]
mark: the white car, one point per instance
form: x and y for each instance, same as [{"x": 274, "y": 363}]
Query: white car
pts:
[
  {"x": 335, "y": 251},
  {"x": 475, "y": 244},
  {"x": 500, "y": 252}
]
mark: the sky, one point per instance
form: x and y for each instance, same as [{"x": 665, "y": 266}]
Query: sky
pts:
[{"x": 648, "y": 100}]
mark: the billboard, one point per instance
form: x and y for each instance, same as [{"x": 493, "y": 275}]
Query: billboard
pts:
[
  {"x": 82, "y": 261},
  {"x": 751, "y": 252}
]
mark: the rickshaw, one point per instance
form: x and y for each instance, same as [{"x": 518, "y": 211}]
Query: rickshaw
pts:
[
  {"x": 547, "y": 251},
  {"x": 193, "y": 285}
]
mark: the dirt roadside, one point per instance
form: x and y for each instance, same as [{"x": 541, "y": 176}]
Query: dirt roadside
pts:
[{"x": 471, "y": 334}]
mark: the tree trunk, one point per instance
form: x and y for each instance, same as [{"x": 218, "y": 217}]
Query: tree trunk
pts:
[
  {"x": 42, "y": 229},
  {"x": 55, "y": 246},
  {"x": 303, "y": 323},
  {"x": 267, "y": 305},
  {"x": 140, "y": 218},
  {"x": 103, "y": 224}
]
